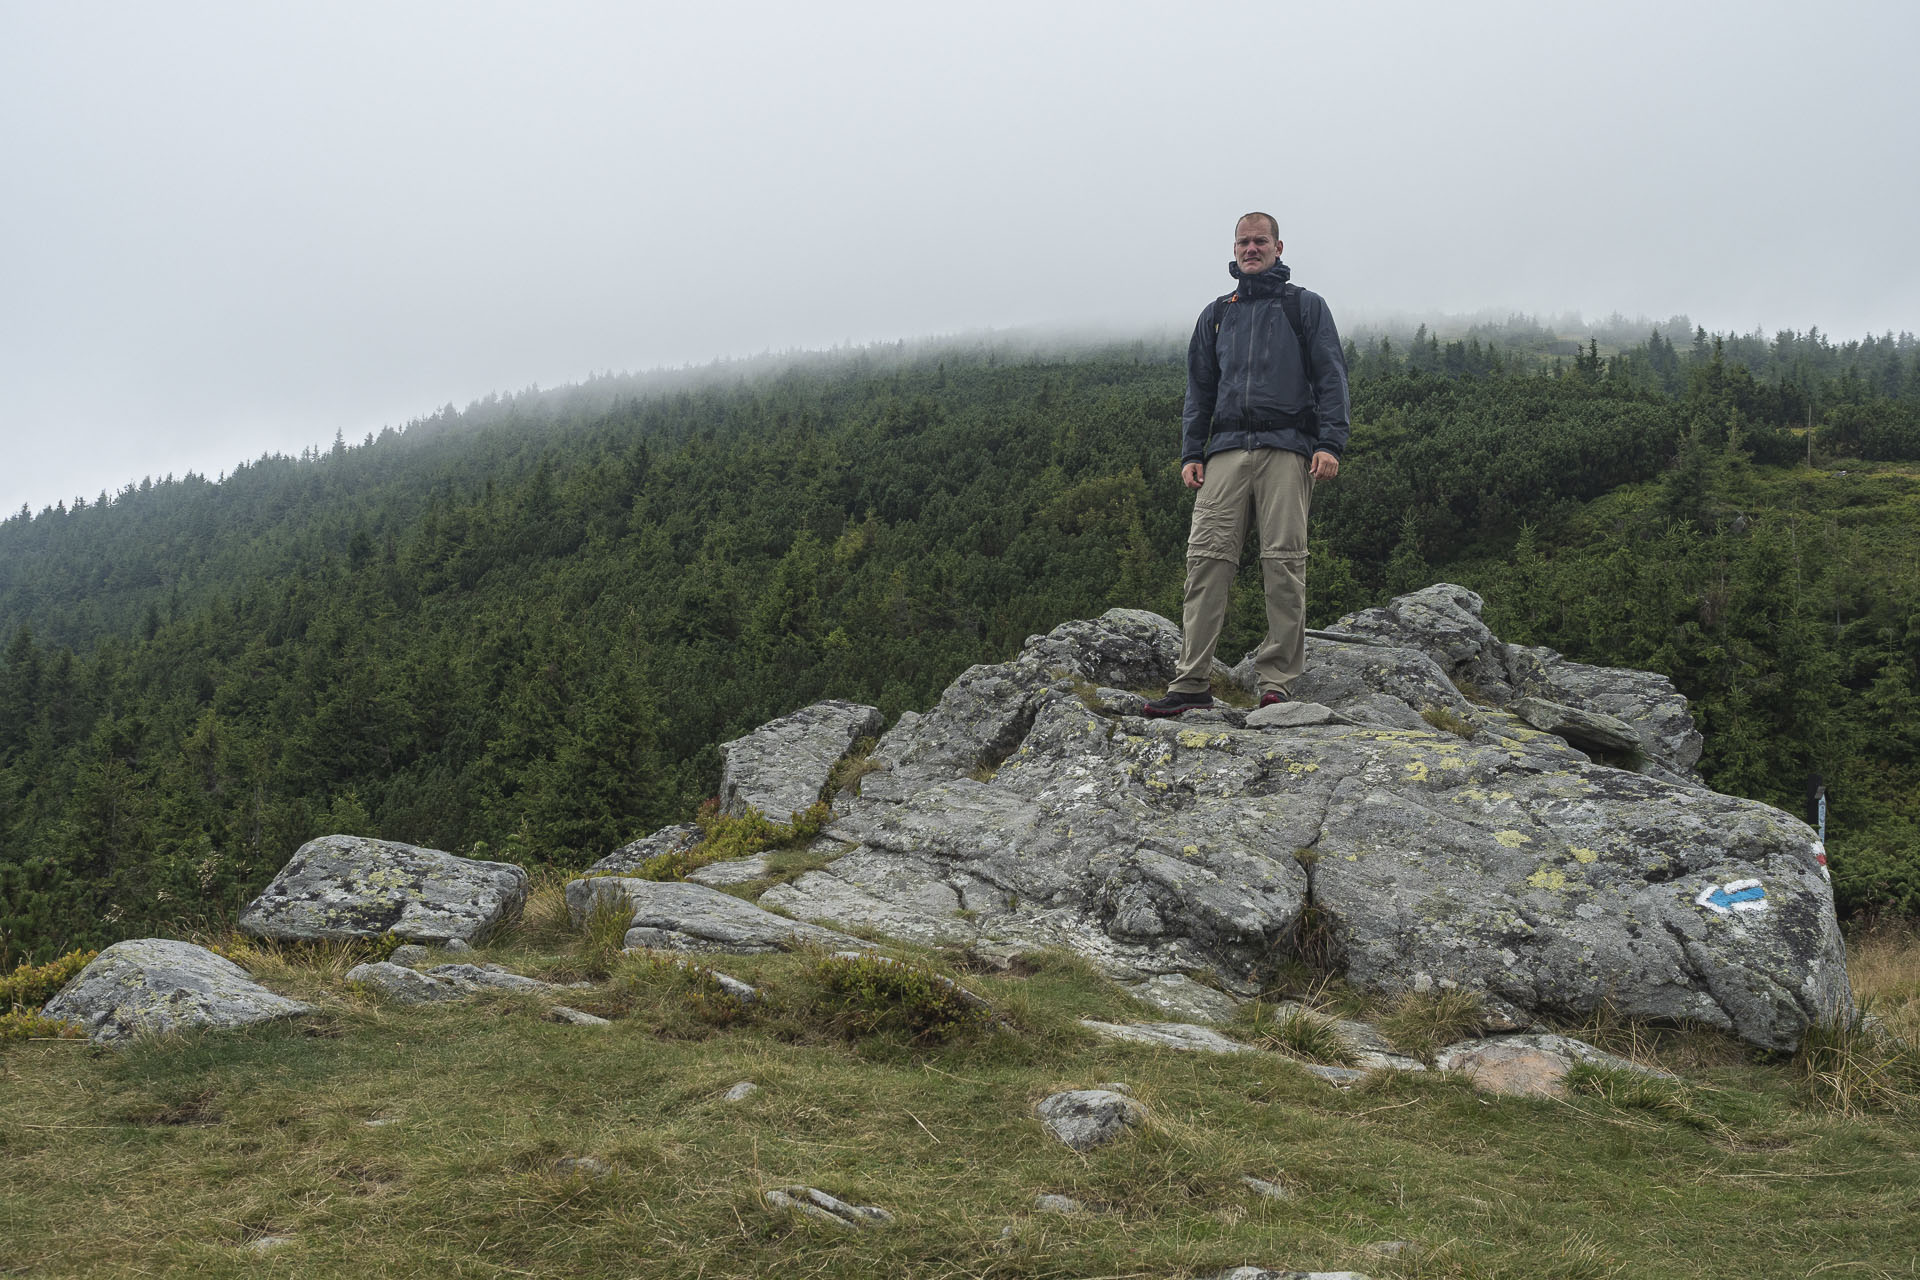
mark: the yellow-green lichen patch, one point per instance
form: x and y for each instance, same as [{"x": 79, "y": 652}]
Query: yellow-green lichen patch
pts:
[
  {"x": 1512, "y": 839},
  {"x": 1417, "y": 770},
  {"x": 1584, "y": 855},
  {"x": 1198, "y": 739},
  {"x": 1548, "y": 878}
]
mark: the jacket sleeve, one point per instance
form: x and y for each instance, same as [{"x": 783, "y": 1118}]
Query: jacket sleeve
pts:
[
  {"x": 1331, "y": 407},
  {"x": 1203, "y": 382}
]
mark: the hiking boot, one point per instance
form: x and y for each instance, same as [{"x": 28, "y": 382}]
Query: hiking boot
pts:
[
  {"x": 1270, "y": 698},
  {"x": 1175, "y": 703}
]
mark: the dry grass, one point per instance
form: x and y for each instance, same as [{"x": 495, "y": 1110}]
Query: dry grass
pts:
[
  {"x": 1420, "y": 1024},
  {"x": 172, "y": 1156},
  {"x": 1448, "y": 721}
]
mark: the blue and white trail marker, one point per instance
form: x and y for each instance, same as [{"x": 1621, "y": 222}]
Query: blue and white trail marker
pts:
[{"x": 1734, "y": 895}]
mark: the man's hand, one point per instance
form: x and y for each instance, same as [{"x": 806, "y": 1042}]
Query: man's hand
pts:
[
  {"x": 1325, "y": 466},
  {"x": 1194, "y": 474}
]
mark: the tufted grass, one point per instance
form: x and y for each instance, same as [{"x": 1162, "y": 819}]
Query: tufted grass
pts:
[{"x": 399, "y": 1141}]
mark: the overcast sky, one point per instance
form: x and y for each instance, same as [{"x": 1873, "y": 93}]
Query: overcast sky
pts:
[{"x": 227, "y": 229}]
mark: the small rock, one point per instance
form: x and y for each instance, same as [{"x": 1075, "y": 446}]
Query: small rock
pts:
[
  {"x": 457, "y": 947},
  {"x": 590, "y": 1167},
  {"x": 745, "y": 1089},
  {"x": 719, "y": 875},
  {"x": 781, "y": 767},
  {"x": 1394, "y": 1248},
  {"x": 577, "y": 1017},
  {"x": 668, "y": 840},
  {"x": 267, "y": 1244},
  {"x": 1338, "y": 1077},
  {"x": 1087, "y": 1118},
  {"x": 822, "y": 1207},
  {"x": 1528, "y": 1065},
  {"x": 379, "y": 1122},
  {"x": 1168, "y": 1035},
  {"x": 1056, "y": 1204},
  {"x": 1261, "y": 1187},
  {"x": 1187, "y": 1000},
  {"x": 411, "y": 956},
  {"x": 1115, "y": 1086},
  {"x": 1293, "y": 715}
]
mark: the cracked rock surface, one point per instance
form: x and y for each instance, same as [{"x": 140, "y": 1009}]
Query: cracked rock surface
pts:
[
  {"x": 162, "y": 985},
  {"x": 354, "y": 887},
  {"x": 780, "y": 767},
  {"x": 1509, "y": 863}
]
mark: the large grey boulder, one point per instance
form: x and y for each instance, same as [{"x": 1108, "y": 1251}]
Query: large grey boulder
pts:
[
  {"x": 354, "y": 887},
  {"x": 671, "y": 915},
  {"x": 780, "y": 768},
  {"x": 1510, "y": 864},
  {"x": 160, "y": 985}
]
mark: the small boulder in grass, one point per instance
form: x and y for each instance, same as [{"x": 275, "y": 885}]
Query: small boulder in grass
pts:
[
  {"x": 354, "y": 887},
  {"x": 1088, "y": 1118},
  {"x": 162, "y": 985}
]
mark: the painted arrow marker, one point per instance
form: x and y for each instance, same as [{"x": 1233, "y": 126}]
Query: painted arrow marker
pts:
[{"x": 1734, "y": 895}]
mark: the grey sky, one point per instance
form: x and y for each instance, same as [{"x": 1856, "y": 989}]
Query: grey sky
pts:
[{"x": 235, "y": 228}]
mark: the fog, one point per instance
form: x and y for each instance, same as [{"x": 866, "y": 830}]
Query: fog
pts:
[{"x": 234, "y": 229}]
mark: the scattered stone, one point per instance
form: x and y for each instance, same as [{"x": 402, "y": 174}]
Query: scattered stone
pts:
[
  {"x": 742, "y": 1091},
  {"x": 719, "y": 875},
  {"x": 672, "y": 915},
  {"x": 1529, "y": 1065},
  {"x": 780, "y": 768},
  {"x": 1588, "y": 730},
  {"x": 1261, "y": 1187},
  {"x": 403, "y": 985},
  {"x": 412, "y": 956},
  {"x": 379, "y": 1122},
  {"x": 456, "y": 947},
  {"x": 354, "y": 887},
  {"x": 1087, "y": 1118},
  {"x": 591, "y": 1168},
  {"x": 267, "y": 1244},
  {"x": 822, "y": 1207},
  {"x": 1293, "y": 715},
  {"x": 666, "y": 841},
  {"x": 443, "y": 982},
  {"x": 1394, "y": 1248},
  {"x": 162, "y": 985},
  {"x": 576, "y": 1017},
  {"x": 1056, "y": 1204},
  {"x": 1190, "y": 1001},
  {"x": 1168, "y": 1035},
  {"x": 1338, "y": 1077},
  {"x": 1117, "y": 702}
]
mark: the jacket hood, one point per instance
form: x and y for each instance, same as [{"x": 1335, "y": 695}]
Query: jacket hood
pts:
[{"x": 1268, "y": 281}]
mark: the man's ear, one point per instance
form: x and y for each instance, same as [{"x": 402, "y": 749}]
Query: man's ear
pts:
[{"x": 1279, "y": 247}]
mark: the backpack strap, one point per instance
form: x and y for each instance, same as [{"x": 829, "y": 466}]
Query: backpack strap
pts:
[{"x": 1289, "y": 303}]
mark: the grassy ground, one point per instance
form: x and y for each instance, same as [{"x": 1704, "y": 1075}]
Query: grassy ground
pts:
[{"x": 402, "y": 1142}]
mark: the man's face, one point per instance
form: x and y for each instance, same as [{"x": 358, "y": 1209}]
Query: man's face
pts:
[{"x": 1254, "y": 247}]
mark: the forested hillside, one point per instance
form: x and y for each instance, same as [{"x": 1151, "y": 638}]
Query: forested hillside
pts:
[{"x": 520, "y": 631}]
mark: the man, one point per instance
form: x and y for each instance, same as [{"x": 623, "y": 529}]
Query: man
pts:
[{"x": 1266, "y": 416}]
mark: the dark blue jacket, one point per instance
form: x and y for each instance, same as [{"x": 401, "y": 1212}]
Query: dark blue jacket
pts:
[{"x": 1247, "y": 386}]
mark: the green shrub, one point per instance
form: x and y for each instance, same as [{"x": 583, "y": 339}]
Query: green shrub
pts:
[
  {"x": 31, "y": 985},
  {"x": 867, "y": 994},
  {"x": 724, "y": 838},
  {"x": 1300, "y": 1033},
  {"x": 25, "y": 1024}
]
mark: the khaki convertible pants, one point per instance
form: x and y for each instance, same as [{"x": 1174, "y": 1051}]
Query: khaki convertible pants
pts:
[{"x": 1270, "y": 487}]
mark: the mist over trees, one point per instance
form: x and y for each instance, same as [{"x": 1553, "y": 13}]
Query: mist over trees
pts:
[{"x": 520, "y": 630}]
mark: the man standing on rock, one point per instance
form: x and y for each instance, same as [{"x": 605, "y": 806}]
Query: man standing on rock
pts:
[{"x": 1266, "y": 416}]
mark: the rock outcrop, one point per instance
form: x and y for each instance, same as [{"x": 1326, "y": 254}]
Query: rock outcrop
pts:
[
  {"x": 1360, "y": 836},
  {"x": 353, "y": 887},
  {"x": 671, "y": 915},
  {"x": 161, "y": 985},
  {"x": 780, "y": 768}
]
